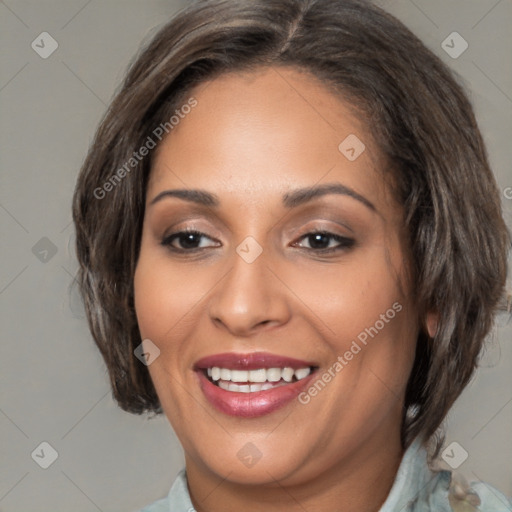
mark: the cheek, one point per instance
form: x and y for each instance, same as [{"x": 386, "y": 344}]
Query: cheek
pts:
[
  {"x": 351, "y": 296},
  {"x": 365, "y": 318},
  {"x": 163, "y": 299},
  {"x": 163, "y": 296}
]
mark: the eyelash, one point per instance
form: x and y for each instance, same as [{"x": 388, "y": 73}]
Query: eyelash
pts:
[{"x": 344, "y": 242}]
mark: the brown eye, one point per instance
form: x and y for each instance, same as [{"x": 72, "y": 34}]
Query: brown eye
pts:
[
  {"x": 187, "y": 240},
  {"x": 323, "y": 241}
]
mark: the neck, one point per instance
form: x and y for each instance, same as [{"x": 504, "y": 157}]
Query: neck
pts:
[{"x": 361, "y": 481}]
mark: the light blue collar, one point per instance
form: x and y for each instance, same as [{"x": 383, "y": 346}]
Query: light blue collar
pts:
[{"x": 416, "y": 489}]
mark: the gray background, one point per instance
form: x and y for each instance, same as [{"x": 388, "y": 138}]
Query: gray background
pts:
[{"x": 53, "y": 382}]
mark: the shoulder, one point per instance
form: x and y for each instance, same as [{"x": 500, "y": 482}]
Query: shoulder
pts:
[
  {"x": 476, "y": 496},
  {"x": 178, "y": 499},
  {"x": 161, "y": 505},
  {"x": 424, "y": 485}
]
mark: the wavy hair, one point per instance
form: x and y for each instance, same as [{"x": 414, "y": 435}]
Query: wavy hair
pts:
[{"x": 422, "y": 122}]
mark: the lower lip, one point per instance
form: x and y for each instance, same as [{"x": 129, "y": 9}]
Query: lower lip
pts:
[{"x": 251, "y": 405}]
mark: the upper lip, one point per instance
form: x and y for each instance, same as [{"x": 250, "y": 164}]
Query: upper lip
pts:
[{"x": 250, "y": 361}]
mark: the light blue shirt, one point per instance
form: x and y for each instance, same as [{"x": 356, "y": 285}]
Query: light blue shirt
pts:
[{"x": 415, "y": 489}]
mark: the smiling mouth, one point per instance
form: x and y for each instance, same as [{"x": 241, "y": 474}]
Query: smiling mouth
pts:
[{"x": 253, "y": 381}]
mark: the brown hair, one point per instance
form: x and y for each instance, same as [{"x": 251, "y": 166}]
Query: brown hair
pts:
[{"x": 422, "y": 123}]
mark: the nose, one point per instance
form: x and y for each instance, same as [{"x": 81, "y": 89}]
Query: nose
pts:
[{"x": 250, "y": 298}]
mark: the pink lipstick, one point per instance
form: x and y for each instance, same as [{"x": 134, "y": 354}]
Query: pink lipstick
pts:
[{"x": 252, "y": 384}]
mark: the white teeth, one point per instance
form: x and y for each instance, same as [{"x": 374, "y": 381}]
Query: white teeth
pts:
[
  {"x": 240, "y": 389},
  {"x": 302, "y": 372},
  {"x": 224, "y": 385},
  {"x": 258, "y": 375},
  {"x": 262, "y": 376},
  {"x": 246, "y": 388},
  {"x": 274, "y": 374},
  {"x": 239, "y": 375},
  {"x": 288, "y": 374}
]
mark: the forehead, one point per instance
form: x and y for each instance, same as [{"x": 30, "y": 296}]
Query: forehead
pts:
[{"x": 256, "y": 132}]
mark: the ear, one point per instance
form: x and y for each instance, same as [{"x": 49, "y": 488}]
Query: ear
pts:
[{"x": 432, "y": 322}]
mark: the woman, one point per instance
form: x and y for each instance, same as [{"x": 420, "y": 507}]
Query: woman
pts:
[{"x": 291, "y": 243}]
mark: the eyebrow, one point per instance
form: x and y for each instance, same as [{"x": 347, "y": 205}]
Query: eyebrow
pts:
[{"x": 290, "y": 199}]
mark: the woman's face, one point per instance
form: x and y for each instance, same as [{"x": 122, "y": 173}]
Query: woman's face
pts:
[{"x": 286, "y": 276}]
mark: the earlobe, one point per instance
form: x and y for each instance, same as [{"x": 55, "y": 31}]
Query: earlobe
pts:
[{"x": 432, "y": 323}]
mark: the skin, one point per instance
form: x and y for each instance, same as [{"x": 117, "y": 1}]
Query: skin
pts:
[{"x": 251, "y": 138}]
